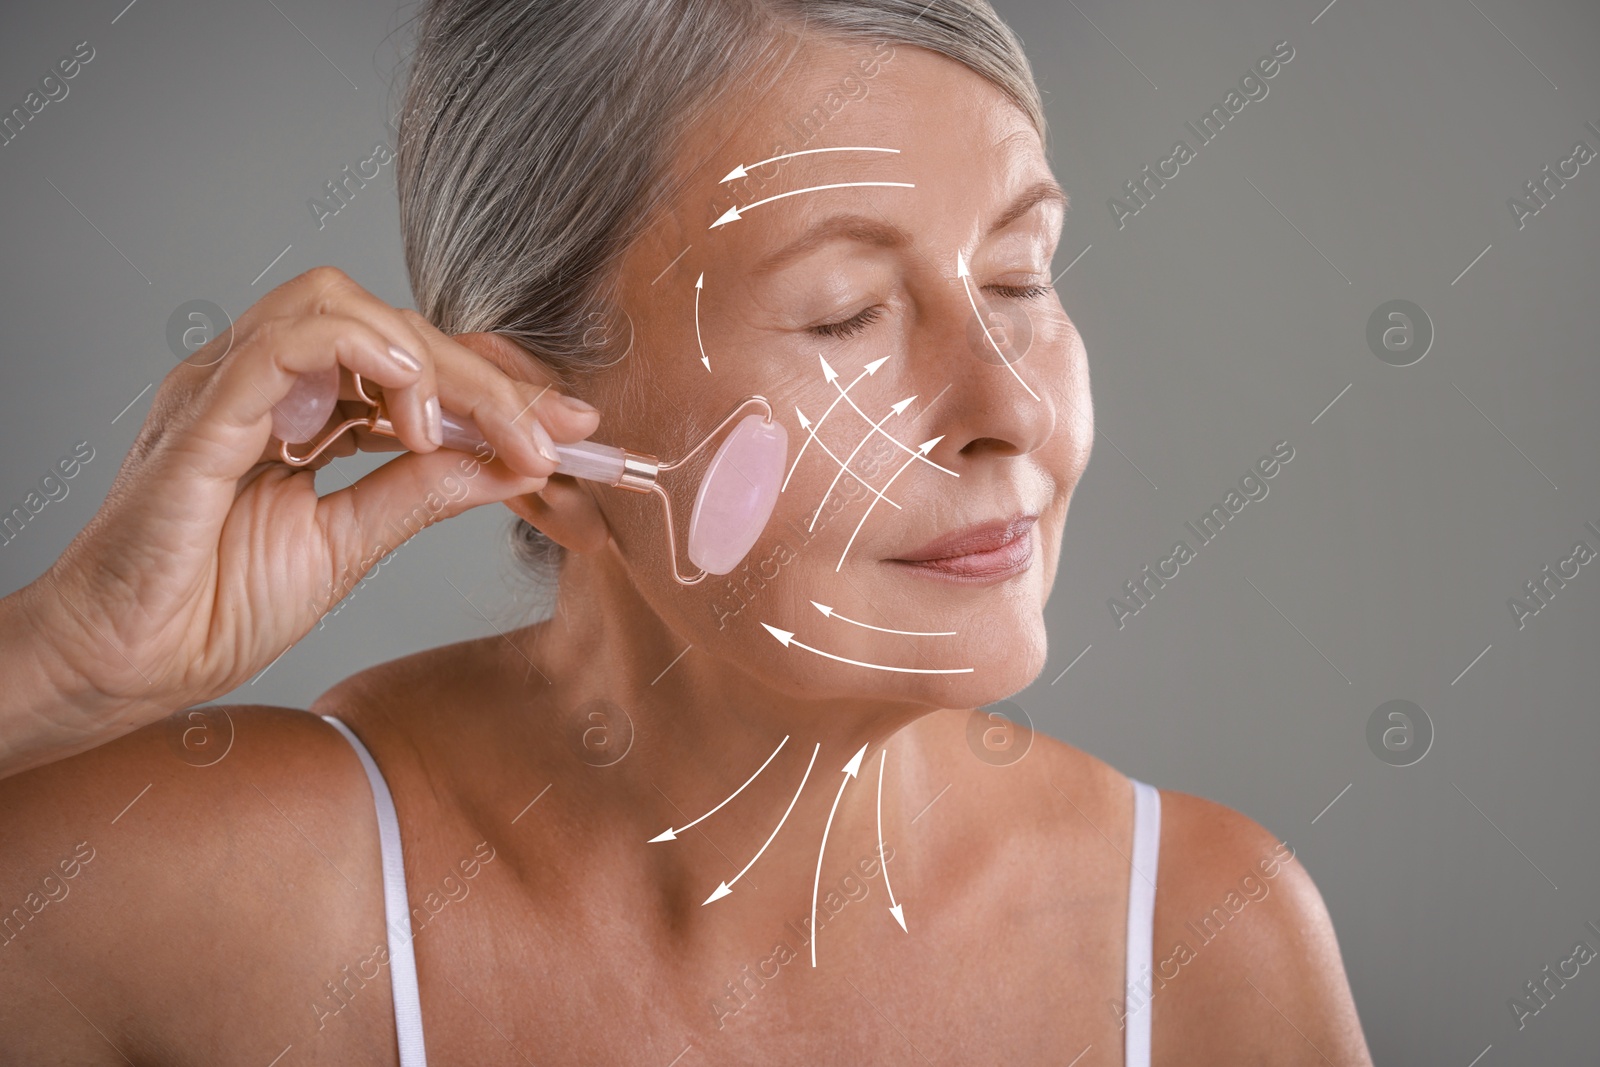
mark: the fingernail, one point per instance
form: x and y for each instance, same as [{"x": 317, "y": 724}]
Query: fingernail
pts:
[
  {"x": 546, "y": 447},
  {"x": 404, "y": 358},
  {"x": 434, "y": 420},
  {"x": 574, "y": 404}
]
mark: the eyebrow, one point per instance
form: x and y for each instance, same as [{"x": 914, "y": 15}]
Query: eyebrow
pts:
[{"x": 882, "y": 234}]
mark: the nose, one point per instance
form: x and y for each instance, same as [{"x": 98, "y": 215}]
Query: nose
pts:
[{"x": 989, "y": 361}]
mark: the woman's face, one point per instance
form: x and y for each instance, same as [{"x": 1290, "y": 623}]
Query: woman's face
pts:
[{"x": 867, "y": 280}]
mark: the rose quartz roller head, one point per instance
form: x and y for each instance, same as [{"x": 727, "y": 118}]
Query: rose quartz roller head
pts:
[{"x": 731, "y": 508}]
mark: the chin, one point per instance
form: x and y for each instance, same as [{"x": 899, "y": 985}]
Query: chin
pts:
[{"x": 974, "y": 640}]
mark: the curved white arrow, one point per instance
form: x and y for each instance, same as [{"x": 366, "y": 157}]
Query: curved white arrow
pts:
[
  {"x": 787, "y": 637},
  {"x": 669, "y": 834},
  {"x": 923, "y": 449},
  {"x": 826, "y": 370},
  {"x": 732, "y": 214},
  {"x": 807, "y": 425},
  {"x": 897, "y": 408},
  {"x": 741, "y": 170},
  {"x": 833, "y": 375},
  {"x": 727, "y": 887},
  {"x": 894, "y": 909},
  {"x": 830, "y": 613},
  {"x": 699, "y": 283},
  {"x": 962, "y": 273},
  {"x": 851, "y": 769}
]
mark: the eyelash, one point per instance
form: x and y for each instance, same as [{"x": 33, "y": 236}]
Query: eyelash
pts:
[{"x": 861, "y": 320}]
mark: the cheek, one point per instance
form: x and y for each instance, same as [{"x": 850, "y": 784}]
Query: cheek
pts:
[{"x": 824, "y": 516}]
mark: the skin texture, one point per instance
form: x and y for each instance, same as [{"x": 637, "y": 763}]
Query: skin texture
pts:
[{"x": 217, "y": 905}]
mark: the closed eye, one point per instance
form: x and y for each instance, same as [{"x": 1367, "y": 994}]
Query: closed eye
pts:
[{"x": 867, "y": 316}]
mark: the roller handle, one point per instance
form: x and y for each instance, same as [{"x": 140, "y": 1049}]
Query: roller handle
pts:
[{"x": 589, "y": 460}]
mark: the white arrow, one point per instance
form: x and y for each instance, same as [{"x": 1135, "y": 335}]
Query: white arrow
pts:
[
  {"x": 830, "y": 613},
  {"x": 787, "y": 638},
  {"x": 962, "y": 273},
  {"x": 727, "y": 887},
  {"x": 901, "y": 445},
  {"x": 669, "y": 834},
  {"x": 851, "y": 769},
  {"x": 741, "y": 170},
  {"x": 894, "y": 409},
  {"x": 826, "y": 371},
  {"x": 699, "y": 283},
  {"x": 894, "y": 909},
  {"x": 806, "y": 425},
  {"x": 923, "y": 449},
  {"x": 732, "y": 214}
]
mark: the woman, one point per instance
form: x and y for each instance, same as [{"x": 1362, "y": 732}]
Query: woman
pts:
[{"x": 740, "y": 821}]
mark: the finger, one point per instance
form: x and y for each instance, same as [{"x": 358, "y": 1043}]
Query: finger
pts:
[
  {"x": 533, "y": 403},
  {"x": 527, "y": 408},
  {"x": 236, "y": 407},
  {"x": 380, "y": 511},
  {"x": 566, "y": 417},
  {"x": 329, "y": 292},
  {"x": 503, "y": 408},
  {"x": 515, "y": 416},
  {"x": 305, "y": 409}
]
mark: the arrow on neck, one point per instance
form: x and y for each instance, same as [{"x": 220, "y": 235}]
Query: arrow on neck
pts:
[
  {"x": 669, "y": 834},
  {"x": 894, "y": 909},
  {"x": 727, "y": 887},
  {"x": 851, "y": 769}
]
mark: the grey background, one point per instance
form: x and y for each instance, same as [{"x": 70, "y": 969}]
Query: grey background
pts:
[{"x": 1226, "y": 316}]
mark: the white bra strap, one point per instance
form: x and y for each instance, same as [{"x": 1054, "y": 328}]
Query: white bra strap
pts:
[
  {"x": 396, "y": 912},
  {"x": 1139, "y": 981}
]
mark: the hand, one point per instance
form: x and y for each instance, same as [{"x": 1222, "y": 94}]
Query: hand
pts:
[{"x": 210, "y": 556}]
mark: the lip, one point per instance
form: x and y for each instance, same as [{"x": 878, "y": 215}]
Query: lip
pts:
[{"x": 984, "y": 552}]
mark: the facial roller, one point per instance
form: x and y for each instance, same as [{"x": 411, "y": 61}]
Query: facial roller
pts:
[{"x": 731, "y": 507}]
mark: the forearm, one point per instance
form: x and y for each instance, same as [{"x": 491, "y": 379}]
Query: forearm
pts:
[{"x": 48, "y": 710}]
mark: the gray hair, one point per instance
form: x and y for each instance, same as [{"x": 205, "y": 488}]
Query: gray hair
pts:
[{"x": 538, "y": 140}]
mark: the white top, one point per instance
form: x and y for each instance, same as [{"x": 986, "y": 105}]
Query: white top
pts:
[{"x": 403, "y": 963}]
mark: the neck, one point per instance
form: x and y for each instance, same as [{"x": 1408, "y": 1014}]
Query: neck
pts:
[{"x": 650, "y": 733}]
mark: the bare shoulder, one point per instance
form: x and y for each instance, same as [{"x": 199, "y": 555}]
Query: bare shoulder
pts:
[
  {"x": 1246, "y": 967},
  {"x": 151, "y": 881}
]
